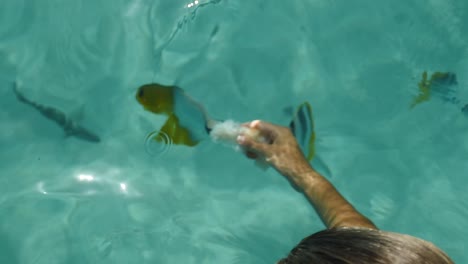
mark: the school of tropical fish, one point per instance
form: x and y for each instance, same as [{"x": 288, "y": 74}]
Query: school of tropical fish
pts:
[{"x": 188, "y": 123}]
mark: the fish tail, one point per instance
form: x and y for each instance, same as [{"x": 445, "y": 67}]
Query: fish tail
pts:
[{"x": 179, "y": 135}]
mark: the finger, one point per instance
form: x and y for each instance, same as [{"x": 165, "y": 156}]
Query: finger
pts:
[
  {"x": 267, "y": 130},
  {"x": 251, "y": 144}
]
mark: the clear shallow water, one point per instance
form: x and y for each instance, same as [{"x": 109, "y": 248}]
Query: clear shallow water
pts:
[{"x": 70, "y": 201}]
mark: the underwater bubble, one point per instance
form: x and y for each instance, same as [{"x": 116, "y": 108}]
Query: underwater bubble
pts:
[{"x": 157, "y": 143}]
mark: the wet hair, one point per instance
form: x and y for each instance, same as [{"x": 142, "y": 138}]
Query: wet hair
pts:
[{"x": 362, "y": 245}]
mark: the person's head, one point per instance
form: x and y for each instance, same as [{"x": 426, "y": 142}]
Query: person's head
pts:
[{"x": 360, "y": 245}]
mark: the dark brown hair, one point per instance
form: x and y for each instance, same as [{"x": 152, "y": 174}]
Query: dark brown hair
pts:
[{"x": 362, "y": 245}]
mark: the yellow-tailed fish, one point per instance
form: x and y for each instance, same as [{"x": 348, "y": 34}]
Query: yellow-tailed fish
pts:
[
  {"x": 302, "y": 126},
  {"x": 439, "y": 83},
  {"x": 187, "y": 123}
]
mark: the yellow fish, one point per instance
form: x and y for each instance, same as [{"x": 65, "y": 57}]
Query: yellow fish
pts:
[
  {"x": 187, "y": 123},
  {"x": 438, "y": 83}
]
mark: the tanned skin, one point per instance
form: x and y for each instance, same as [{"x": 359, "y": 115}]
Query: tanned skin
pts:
[{"x": 281, "y": 150}]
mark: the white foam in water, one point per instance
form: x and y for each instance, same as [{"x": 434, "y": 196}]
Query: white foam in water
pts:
[{"x": 226, "y": 132}]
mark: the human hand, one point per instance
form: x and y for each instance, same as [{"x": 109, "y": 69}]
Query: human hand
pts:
[{"x": 276, "y": 145}]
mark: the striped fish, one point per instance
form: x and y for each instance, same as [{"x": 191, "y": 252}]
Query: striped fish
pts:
[{"x": 302, "y": 126}]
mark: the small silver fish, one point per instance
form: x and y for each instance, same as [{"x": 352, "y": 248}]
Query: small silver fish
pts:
[{"x": 69, "y": 126}]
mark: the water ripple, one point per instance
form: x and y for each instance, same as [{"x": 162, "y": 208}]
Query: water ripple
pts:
[
  {"x": 158, "y": 143},
  {"x": 16, "y": 18},
  {"x": 69, "y": 37}
]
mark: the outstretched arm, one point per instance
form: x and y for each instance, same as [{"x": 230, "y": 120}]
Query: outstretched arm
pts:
[{"x": 280, "y": 149}]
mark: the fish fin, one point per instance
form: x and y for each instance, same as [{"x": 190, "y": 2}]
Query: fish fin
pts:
[
  {"x": 179, "y": 135},
  {"x": 302, "y": 126},
  {"x": 68, "y": 128},
  {"x": 424, "y": 91}
]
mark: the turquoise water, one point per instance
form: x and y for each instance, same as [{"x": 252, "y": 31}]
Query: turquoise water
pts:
[{"x": 66, "y": 200}]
